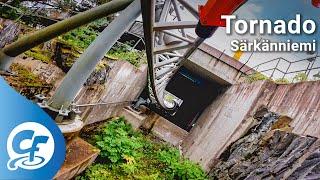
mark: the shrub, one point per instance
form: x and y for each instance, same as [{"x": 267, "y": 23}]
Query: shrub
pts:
[
  {"x": 122, "y": 52},
  {"x": 178, "y": 167},
  {"x": 256, "y": 77},
  {"x": 117, "y": 141},
  {"x": 127, "y": 154},
  {"x": 282, "y": 81},
  {"x": 300, "y": 77},
  {"x": 82, "y": 37}
]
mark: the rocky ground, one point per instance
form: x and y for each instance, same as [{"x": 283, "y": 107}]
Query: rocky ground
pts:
[
  {"x": 270, "y": 151},
  {"x": 37, "y": 70}
]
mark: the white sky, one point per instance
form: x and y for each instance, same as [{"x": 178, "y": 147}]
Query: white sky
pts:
[{"x": 266, "y": 9}]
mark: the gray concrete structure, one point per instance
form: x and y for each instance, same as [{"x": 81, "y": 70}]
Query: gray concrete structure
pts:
[
  {"x": 229, "y": 117},
  {"x": 213, "y": 64}
]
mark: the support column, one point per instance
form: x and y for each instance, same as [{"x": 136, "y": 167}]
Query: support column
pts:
[
  {"x": 5, "y": 61},
  {"x": 9, "y": 52},
  {"x": 85, "y": 65}
]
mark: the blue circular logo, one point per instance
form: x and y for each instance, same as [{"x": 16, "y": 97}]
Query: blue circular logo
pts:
[{"x": 31, "y": 144}]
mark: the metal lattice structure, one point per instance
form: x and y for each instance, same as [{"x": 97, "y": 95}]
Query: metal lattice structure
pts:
[
  {"x": 167, "y": 46},
  {"x": 281, "y": 68}
]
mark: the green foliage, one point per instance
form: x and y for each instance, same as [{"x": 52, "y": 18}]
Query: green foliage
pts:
[
  {"x": 282, "y": 81},
  {"x": 177, "y": 167},
  {"x": 10, "y": 13},
  {"x": 127, "y": 154},
  {"x": 300, "y": 77},
  {"x": 123, "y": 52},
  {"x": 80, "y": 38},
  {"x": 256, "y": 77},
  {"x": 96, "y": 172},
  {"x": 15, "y": 9},
  {"x": 118, "y": 141}
]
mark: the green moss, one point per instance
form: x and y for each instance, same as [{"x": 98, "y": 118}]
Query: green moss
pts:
[
  {"x": 133, "y": 57},
  {"x": 24, "y": 78},
  {"x": 38, "y": 54},
  {"x": 80, "y": 38}
]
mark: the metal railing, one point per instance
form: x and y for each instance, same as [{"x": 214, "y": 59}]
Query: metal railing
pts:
[{"x": 281, "y": 68}]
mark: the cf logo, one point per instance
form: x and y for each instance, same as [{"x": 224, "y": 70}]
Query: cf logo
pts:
[{"x": 30, "y": 146}]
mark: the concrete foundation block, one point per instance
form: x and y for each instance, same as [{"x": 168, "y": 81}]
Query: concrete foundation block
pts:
[
  {"x": 168, "y": 131},
  {"x": 133, "y": 117},
  {"x": 80, "y": 155}
]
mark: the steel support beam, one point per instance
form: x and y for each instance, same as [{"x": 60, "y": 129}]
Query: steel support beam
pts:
[
  {"x": 168, "y": 48},
  {"x": 26, "y": 43},
  {"x": 159, "y": 26},
  {"x": 85, "y": 65},
  {"x": 176, "y": 9},
  {"x": 191, "y": 9}
]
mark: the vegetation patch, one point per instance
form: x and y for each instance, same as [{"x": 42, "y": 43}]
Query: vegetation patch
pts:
[
  {"x": 27, "y": 83},
  {"x": 257, "y": 76},
  {"x": 79, "y": 39},
  {"x": 123, "y": 52},
  {"x": 24, "y": 78},
  {"x": 282, "y": 81},
  {"x": 39, "y": 54},
  {"x": 299, "y": 77},
  {"x": 128, "y": 154}
]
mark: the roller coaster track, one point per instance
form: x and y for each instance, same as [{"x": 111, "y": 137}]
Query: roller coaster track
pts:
[{"x": 167, "y": 46}]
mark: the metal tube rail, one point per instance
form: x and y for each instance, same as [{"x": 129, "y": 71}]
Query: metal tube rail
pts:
[
  {"x": 101, "y": 103},
  {"x": 25, "y": 43},
  {"x": 87, "y": 62}
]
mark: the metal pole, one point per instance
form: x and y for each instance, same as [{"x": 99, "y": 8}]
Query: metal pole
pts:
[
  {"x": 284, "y": 74},
  {"x": 175, "y": 6},
  {"x": 191, "y": 9},
  {"x": 8, "y": 53},
  {"x": 87, "y": 62},
  {"x": 310, "y": 69},
  {"x": 276, "y": 68}
]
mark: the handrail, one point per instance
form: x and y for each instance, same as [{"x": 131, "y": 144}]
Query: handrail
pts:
[{"x": 310, "y": 67}]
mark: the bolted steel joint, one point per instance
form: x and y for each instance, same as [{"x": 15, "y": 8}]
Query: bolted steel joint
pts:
[{"x": 62, "y": 115}]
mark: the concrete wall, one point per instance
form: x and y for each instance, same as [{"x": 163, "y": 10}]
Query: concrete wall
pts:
[
  {"x": 213, "y": 64},
  {"x": 223, "y": 121},
  {"x": 301, "y": 102},
  {"x": 125, "y": 83},
  {"x": 168, "y": 131},
  {"x": 159, "y": 126},
  {"x": 228, "y": 117}
]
